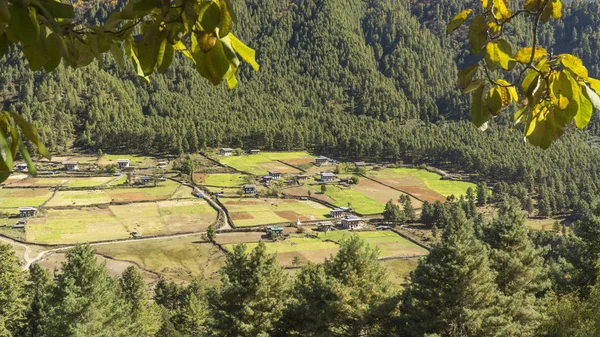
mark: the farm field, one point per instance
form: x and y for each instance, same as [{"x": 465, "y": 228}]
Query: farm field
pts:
[
  {"x": 64, "y": 181},
  {"x": 164, "y": 190},
  {"x": 389, "y": 243},
  {"x": 306, "y": 249},
  {"x": 134, "y": 160},
  {"x": 81, "y": 159},
  {"x": 179, "y": 258},
  {"x": 78, "y": 198},
  {"x": 251, "y": 211},
  {"x": 122, "y": 179},
  {"x": 261, "y": 164},
  {"x": 14, "y": 178},
  {"x": 183, "y": 192},
  {"x": 220, "y": 179},
  {"x": 88, "y": 224},
  {"x": 13, "y": 198},
  {"x": 344, "y": 196},
  {"x": 114, "y": 267},
  {"x": 421, "y": 183}
]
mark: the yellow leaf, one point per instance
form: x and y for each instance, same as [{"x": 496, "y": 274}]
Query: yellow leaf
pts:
[
  {"x": 495, "y": 101},
  {"x": 499, "y": 53},
  {"x": 501, "y": 10},
  {"x": 594, "y": 83},
  {"x": 524, "y": 55},
  {"x": 511, "y": 90},
  {"x": 458, "y": 20},
  {"x": 485, "y": 4},
  {"x": 556, "y": 9},
  {"x": 574, "y": 64}
]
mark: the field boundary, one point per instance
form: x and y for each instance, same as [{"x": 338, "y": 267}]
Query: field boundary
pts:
[
  {"x": 392, "y": 187},
  {"x": 292, "y": 166},
  {"x": 411, "y": 239}
]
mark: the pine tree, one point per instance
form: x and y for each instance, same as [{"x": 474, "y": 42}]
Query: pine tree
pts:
[
  {"x": 12, "y": 292},
  {"x": 252, "y": 296},
  {"x": 85, "y": 301},
  {"x": 482, "y": 193},
  {"x": 452, "y": 292},
  {"x": 520, "y": 272},
  {"x": 145, "y": 315},
  {"x": 409, "y": 211},
  {"x": 39, "y": 289},
  {"x": 392, "y": 213}
]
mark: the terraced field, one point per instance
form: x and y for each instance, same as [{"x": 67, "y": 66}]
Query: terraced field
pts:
[
  {"x": 389, "y": 243},
  {"x": 13, "y": 198},
  {"x": 78, "y": 198},
  {"x": 251, "y": 211},
  {"x": 64, "y": 181},
  {"x": 163, "y": 190},
  {"x": 261, "y": 164}
]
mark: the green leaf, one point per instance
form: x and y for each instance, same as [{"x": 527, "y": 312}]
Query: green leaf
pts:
[
  {"x": 546, "y": 128},
  {"x": 574, "y": 64},
  {"x": 27, "y": 158},
  {"x": 494, "y": 101},
  {"x": 53, "y": 43},
  {"x": 478, "y": 34},
  {"x": 474, "y": 85},
  {"x": 217, "y": 63},
  {"x": 3, "y": 44},
  {"x": 5, "y": 153},
  {"x": 225, "y": 26},
  {"x": 145, "y": 5},
  {"x": 499, "y": 53},
  {"x": 57, "y": 9},
  {"x": 524, "y": 55},
  {"x": 23, "y": 24},
  {"x": 465, "y": 76},
  {"x": 479, "y": 110},
  {"x": 458, "y": 20},
  {"x": 248, "y": 54},
  {"x": 4, "y": 13},
  {"x": 31, "y": 134},
  {"x": 130, "y": 52},
  {"x": 211, "y": 18},
  {"x": 586, "y": 107},
  {"x": 165, "y": 56},
  {"x": 117, "y": 53}
]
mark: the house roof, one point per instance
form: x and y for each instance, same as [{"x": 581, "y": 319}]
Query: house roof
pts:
[
  {"x": 70, "y": 163},
  {"x": 27, "y": 209},
  {"x": 145, "y": 177},
  {"x": 22, "y": 165},
  {"x": 275, "y": 228},
  {"x": 122, "y": 160},
  {"x": 360, "y": 163},
  {"x": 322, "y": 158},
  {"x": 254, "y": 150},
  {"x": 274, "y": 172},
  {"x": 249, "y": 186},
  {"x": 327, "y": 174},
  {"x": 352, "y": 218},
  {"x": 325, "y": 223},
  {"x": 226, "y": 149}
]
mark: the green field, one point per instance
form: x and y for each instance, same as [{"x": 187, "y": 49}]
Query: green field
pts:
[
  {"x": 180, "y": 258},
  {"x": 251, "y": 211},
  {"x": 343, "y": 196},
  {"x": 88, "y": 224},
  {"x": 183, "y": 192},
  {"x": 224, "y": 179},
  {"x": 399, "y": 269},
  {"x": 389, "y": 243},
  {"x": 164, "y": 190},
  {"x": 78, "y": 198},
  {"x": 260, "y": 164},
  {"x": 122, "y": 179},
  {"x": 13, "y": 198}
]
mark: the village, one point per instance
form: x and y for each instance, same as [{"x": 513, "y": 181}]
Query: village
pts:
[{"x": 302, "y": 205}]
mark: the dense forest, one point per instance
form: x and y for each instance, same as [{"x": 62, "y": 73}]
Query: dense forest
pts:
[{"x": 481, "y": 278}]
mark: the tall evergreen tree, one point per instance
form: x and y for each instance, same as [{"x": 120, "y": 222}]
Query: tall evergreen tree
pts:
[
  {"x": 452, "y": 292},
  {"x": 145, "y": 314},
  {"x": 12, "y": 293},
  {"x": 39, "y": 288}
]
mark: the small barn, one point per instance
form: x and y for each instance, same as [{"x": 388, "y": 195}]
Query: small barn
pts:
[
  {"x": 226, "y": 151},
  {"x": 254, "y": 151},
  {"x": 275, "y": 232},
  {"x": 325, "y": 226},
  {"x": 321, "y": 160},
  {"x": 21, "y": 167},
  {"x": 351, "y": 222},
  {"x": 336, "y": 213},
  {"x": 122, "y": 163},
  {"x": 25, "y": 212},
  {"x": 145, "y": 180},
  {"x": 360, "y": 164},
  {"x": 327, "y": 177},
  {"x": 275, "y": 174},
  {"x": 71, "y": 165},
  {"x": 249, "y": 189}
]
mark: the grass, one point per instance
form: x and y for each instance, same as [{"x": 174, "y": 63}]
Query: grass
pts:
[
  {"x": 181, "y": 258},
  {"x": 389, "y": 243},
  {"x": 430, "y": 179},
  {"x": 20, "y": 197},
  {"x": 65, "y": 181},
  {"x": 78, "y": 198},
  {"x": 399, "y": 269},
  {"x": 260, "y": 164},
  {"x": 543, "y": 224},
  {"x": 343, "y": 196},
  {"x": 120, "y": 181},
  {"x": 164, "y": 190},
  {"x": 75, "y": 225},
  {"x": 224, "y": 179},
  {"x": 251, "y": 212},
  {"x": 183, "y": 192}
]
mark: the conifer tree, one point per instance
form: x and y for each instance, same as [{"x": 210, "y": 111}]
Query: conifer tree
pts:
[
  {"x": 145, "y": 314},
  {"x": 409, "y": 210},
  {"x": 39, "y": 289},
  {"x": 12, "y": 292},
  {"x": 392, "y": 213},
  {"x": 520, "y": 272},
  {"x": 252, "y": 296},
  {"x": 452, "y": 292}
]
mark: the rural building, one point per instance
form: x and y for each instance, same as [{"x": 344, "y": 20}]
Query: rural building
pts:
[
  {"x": 145, "y": 180},
  {"x": 345, "y": 180},
  {"x": 122, "y": 163},
  {"x": 325, "y": 226},
  {"x": 162, "y": 164},
  {"x": 71, "y": 165},
  {"x": 275, "y": 174},
  {"x": 226, "y": 151},
  {"x": 21, "y": 167},
  {"x": 327, "y": 176},
  {"x": 136, "y": 235},
  {"x": 27, "y": 211},
  {"x": 337, "y": 213},
  {"x": 351, "y": 222},
  {"x": 275, "y": 232},
  {"x": 249, "y": 189},
  {"x": 21, "y": 223},
  {"x": 254, "y": 151},
  {"x": 321, "y": 160},
  {"x": 302, "y": 177},
  {"x": 360, "y": 164},
  {"x": 267, "y": 179}
]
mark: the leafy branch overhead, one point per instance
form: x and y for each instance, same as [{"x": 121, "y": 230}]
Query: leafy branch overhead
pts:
[
  {"x": 553, "y": 91},
  {"x": 48, "y": 34}
]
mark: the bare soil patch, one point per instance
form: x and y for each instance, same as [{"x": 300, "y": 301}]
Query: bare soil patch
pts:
[
  {"x": 240, "y": 216},
  {"x": 199, "y": 178},
  {"x": 291, "y": 215},
  {"x": 303, "y": 192},
  {"x": 415, "y": 187},
  {"x": 382, "y": 193},
  {"x": 299, "y": 161},
  {"x": 277, "y": 166}
]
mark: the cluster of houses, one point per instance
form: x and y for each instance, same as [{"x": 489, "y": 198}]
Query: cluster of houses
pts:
[{"x": 349, "y": 222}]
